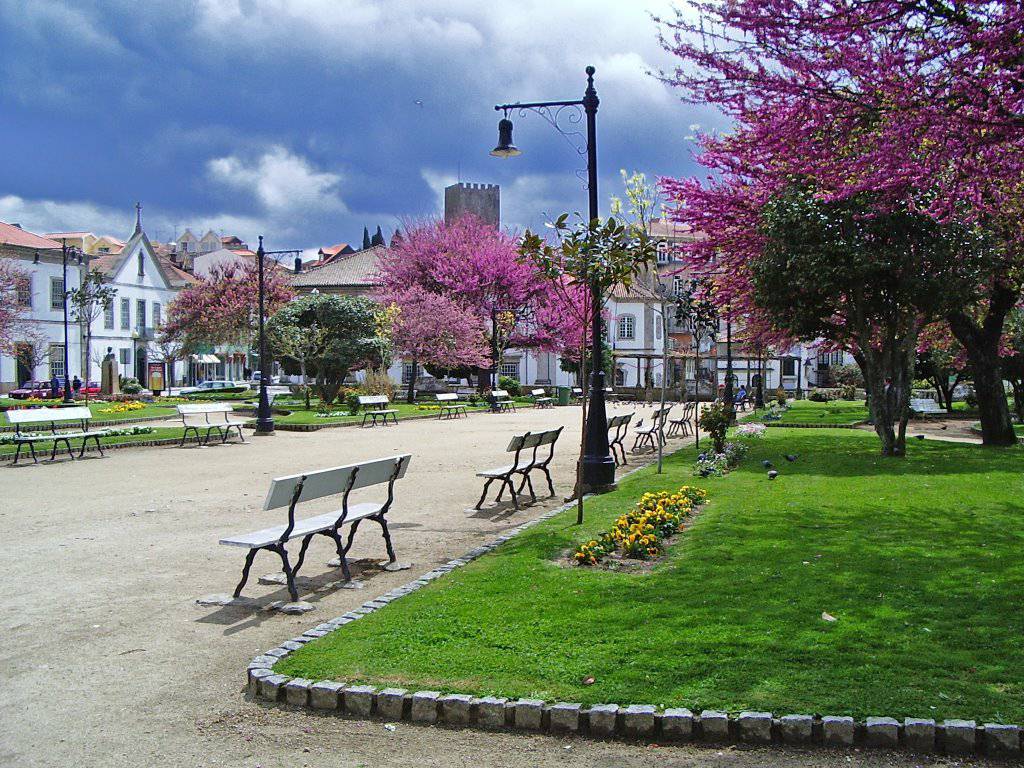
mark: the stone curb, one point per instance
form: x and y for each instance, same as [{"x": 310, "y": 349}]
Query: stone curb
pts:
[
  {"x": 777, "y": 425},
  {"x": 643, "y": 722}
]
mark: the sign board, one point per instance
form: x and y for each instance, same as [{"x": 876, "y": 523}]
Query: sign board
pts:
[{"x": 156, "y": 376}]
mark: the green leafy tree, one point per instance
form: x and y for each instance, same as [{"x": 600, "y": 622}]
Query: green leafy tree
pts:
[
  {"x": 866, "y": 279},
  {"x": 88, "y": 302},
  {"x": 333, "y": 335}
]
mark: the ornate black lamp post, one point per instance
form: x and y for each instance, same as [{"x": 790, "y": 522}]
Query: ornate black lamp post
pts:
[
  {"x": 264, "y": 416},
  {"x": 598, "y": 464},
  {"x": 65, "y": 252}
]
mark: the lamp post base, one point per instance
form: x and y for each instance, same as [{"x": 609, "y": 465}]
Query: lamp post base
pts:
[{"x": 264, "y": 428}]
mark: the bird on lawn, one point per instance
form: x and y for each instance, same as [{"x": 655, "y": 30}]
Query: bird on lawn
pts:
[
  {"x": 919, "y": 437},
  {"x": 772, "y": 474},
  {"x": 792, "y": 456},
  {"x": 766, "y": 464}
]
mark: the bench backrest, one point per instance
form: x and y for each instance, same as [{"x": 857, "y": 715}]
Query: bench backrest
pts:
[
  {"x": 516, "y": 443},
  {"x": 48, "y": 415},
  {"x": 194, "y": 408},
  {"x": 577, "y": 391},
  {"x": 618, "y": 421},
  {"x": 446, "y": 397},
  {"x": 551, "y": 436},
  {"x": 499, "y": 394},
  {"x": 373, "y": 399},
  {"x": 538, "y": 393},
  {"x": 336, "y": 480}
]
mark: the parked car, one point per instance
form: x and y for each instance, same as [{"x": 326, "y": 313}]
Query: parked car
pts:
[
  {"x": 41, "y": 390},
  {"x": 258, "y": 374},
  {"x": 38, "y": 389},
  {"x": 214, "y": 386}
]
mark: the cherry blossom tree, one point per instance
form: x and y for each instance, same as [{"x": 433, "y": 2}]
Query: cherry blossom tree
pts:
[
  {"x": 11, "y": 311},
  {"x": 477, "y": 267},
  {"x": 223, "y": 308},
  {"x": 432, "y": 329},
  {"x": 917, "y": 105}
]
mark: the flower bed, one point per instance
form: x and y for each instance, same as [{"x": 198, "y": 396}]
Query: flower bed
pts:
[
  {"x": 641, "y": 533},
  {"x": 124, "y": 406}
]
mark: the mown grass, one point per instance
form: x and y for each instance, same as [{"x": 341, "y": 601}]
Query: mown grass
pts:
[
  {"x": 158, "y": 433},
  {"x": 834, "y": 412},
  {"x": 917, "y": 558}
]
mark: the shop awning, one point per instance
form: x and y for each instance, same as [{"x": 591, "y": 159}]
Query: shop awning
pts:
[{"x": 206, "y": 359}]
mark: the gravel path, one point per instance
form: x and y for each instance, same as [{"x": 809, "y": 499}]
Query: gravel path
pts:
[{"x": 107, "y": 661}]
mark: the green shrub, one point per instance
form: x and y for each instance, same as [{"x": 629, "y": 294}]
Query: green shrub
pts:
[
  {"x": 131, "y": 386},
  {"x": 352, "y": 401},
  {"x": 377, "y": 382},
  {"x": 715, "y": 421},
  {"x": 818, "y": 396},
  {"x": 848, "y": 392},
  {"x": 510, "y": 385},
  {"x": 780, "y": 396}
]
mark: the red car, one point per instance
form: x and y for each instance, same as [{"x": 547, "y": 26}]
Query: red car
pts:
[{"x": 41, "y": 390}]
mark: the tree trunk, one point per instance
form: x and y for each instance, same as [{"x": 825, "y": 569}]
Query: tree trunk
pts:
[
  {"x": 305, "y": 382},
  {"x": 88, "y": 366},
  {"x": 1018, "y": 398},
  {"x": 410, "y": 395},
  {"x": 888, "y": 373},
  {"x": 578, "y": 490},
  {"x": 981, "y": 342}
]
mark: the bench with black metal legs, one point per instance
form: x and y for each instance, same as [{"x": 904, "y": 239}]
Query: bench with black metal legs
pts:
[
  {"x": 208, "y": 419},
  {"x": 449, "y": 406},
  {"x": 682, "y": 425},
  {"x": 538, "y": 441},
  {"x": 64, "y": 425},
  {"x": 621, "y": 426},
  {"x": 501, "y": 402},
  {"x": 375, "y": 407},
  {"x": 541, "y": 399},
  {"x": 506, "y": 473},
  {"x": 290, "y": 491},
  {"x": 646, "y": 436}
]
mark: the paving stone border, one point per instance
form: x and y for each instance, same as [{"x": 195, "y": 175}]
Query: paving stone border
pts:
[
  {"x": 856, "y": 425},
  {"x": 642, "y": 722}
]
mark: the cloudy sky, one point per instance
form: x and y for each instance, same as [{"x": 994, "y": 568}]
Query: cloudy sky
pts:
[{"x": 305, "y": 120}]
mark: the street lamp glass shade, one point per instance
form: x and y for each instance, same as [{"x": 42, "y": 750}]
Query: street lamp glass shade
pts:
[{"x": 505, "y": 146}]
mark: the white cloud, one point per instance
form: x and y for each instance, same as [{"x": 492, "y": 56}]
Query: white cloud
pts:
[{"x": 283, "y": 183}]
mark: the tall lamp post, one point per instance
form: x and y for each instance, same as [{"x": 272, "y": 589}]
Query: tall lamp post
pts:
[
  {"x": 598, "y": 463},
  {"x": 64, "y": 253},
  {"x": 264, "y": 416}
]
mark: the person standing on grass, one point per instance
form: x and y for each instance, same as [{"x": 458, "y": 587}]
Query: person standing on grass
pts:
[{"x": 76, "y": 386}]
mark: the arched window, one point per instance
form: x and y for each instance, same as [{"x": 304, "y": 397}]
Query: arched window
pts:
[{"x": 627, "y": 327}]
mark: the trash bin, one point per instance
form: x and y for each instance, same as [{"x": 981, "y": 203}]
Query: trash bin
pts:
[{"x": 563, "y": 395}]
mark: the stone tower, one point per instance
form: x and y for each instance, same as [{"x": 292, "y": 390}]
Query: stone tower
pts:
[{"x": 481, "y": 200}]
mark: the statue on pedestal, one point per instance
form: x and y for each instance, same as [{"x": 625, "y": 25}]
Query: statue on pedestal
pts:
[{"x": 110, "y": 380}]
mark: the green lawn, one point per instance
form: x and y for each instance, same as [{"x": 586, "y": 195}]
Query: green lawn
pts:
[
  {"x": 918, "y": 558},
  {"x": 299, "y": 415},
  {"x": 98, "y": 411},
  {"x": 809, "y": 412},
  {"x": 158, "y": 433}
]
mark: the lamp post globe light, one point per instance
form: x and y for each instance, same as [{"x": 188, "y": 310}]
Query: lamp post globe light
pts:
[{"x": 598, "y": 463}]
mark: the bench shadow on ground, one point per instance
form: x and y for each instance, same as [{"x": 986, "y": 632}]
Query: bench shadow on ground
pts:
[{"x": 311, "y": 588}]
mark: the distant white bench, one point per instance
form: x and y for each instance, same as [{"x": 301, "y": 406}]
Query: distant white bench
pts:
[
  {"x": 925, "y": 405},
  {"x": 210, "y": 417},
  {"x": 541, "y": 399},
  {"x": 449, "y": 406},
  {"x": 290, "y": 491},
  {"x": 577, "y": 394},
  {"x": 375, "y": 408},
  {"x": 64, "y": 424},
  {"x": 501, "y": 401}
]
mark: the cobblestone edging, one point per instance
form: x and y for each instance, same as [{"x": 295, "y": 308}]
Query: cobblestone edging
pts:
[{"x": 635, "y": 721}]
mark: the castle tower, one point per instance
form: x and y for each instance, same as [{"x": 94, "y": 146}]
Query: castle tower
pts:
[{"x": 481, "y": 200}]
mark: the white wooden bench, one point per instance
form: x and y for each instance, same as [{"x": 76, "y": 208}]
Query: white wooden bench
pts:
[
  {"x": 375, "y": 408},
  {"x": 926, "y": 406},
  {"x": 449, "y": 406},
  {"x": 526, "y": 448},
  {"x": 64, "y": 425},
  {"x": 501, "y": 402},
  {"x": 541, "y": 399},
  {"x": 210, "y": 417},
  {"x": 294, "y": 489},
  {"x": 577, "y": 394}
]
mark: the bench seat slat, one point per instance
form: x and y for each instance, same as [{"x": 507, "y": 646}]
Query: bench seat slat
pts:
[{"x": 303, "y": 527}]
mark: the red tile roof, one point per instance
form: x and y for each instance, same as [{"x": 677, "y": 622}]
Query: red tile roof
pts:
[{"x": 12, "y": 235}]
